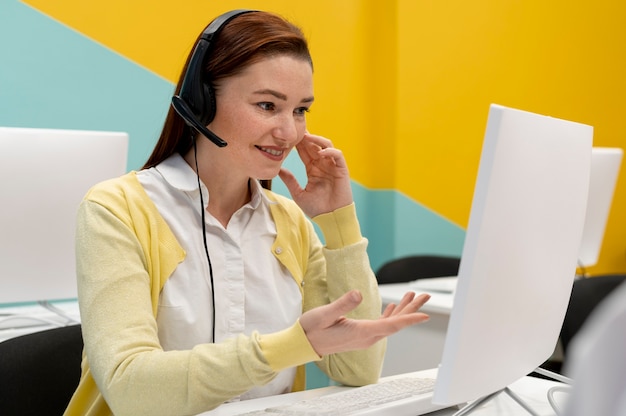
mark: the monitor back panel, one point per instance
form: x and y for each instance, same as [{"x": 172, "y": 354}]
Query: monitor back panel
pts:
[
  {"x": 520, "y": 252},
  {"x": 605, "y": 166},
  {"x": 44, "y": 174}
]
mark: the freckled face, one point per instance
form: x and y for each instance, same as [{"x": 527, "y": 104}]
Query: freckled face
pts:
[{"x": 261, "y": 114}]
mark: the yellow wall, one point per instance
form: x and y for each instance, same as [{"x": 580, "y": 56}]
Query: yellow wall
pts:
[
  {"x": 403, "y": 87},
  {"x": 559, "y": 58}
]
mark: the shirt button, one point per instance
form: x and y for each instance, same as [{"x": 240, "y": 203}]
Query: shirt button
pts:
[
  {"x": 302, "y": 283},
  {"x": 278, "y": 250}
]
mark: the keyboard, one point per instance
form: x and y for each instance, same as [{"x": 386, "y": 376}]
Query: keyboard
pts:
[{"x": 398, "y": 396}]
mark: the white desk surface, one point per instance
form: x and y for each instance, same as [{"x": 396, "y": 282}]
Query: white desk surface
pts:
[
  {"x": 439, "y": 302},
  {"x": 532, "y": 390},
  {"x": 418, "y": 347},
  {"x": 16, "y": 320}
]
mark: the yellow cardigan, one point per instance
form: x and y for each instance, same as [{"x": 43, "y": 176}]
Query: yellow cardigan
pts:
[{"x": 126, "y": 252}]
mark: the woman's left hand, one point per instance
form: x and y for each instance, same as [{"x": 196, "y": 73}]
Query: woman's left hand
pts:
[
  {"x": 328, "y": 181},
  {"x": 329, "y": 330}
]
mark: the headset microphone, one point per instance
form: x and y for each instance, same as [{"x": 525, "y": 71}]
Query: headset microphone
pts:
[{"x": 185, "y": 112}]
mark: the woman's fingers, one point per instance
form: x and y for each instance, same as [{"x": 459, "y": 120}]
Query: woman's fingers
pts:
[
  {"x": 317, "y": 148},
  {"x": 321, "y": 142},
  {"x": 409, "y": 303},
  {"x": 330, "y": 331}
]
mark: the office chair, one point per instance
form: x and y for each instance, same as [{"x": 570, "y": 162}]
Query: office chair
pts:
[
  {"x": 409, "y": 268},
  {"x": 40, "y": 371},
  {"x": 587, "y": 293}
]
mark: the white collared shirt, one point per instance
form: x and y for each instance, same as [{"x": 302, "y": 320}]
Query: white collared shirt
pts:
[{"x": 253, "y": 291}]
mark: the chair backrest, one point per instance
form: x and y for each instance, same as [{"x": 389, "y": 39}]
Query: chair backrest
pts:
[
  {"x": 40, "y": 371},
  {"x": 587, "y": 294},
  {"x": 409, "y": 268}
]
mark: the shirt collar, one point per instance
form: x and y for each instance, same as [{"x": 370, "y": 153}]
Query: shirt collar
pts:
[
  {"x": 178, "y": 173},
  {"x": 258, "y": 194}
]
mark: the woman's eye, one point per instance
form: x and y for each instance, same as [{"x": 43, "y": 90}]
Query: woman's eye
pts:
[
  {"x": 301, "y": 111},
  {"x": 266, "y": 106}
]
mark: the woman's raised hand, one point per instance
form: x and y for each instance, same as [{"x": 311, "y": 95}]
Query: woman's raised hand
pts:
[
  {"x": 328, "y": 181},
  {"x": 329, "y": 331}
]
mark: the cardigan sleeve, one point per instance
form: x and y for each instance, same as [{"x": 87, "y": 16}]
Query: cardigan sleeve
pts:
[
  {"x": 338, "y": 267},
  {"x": 115, "y": 270}
]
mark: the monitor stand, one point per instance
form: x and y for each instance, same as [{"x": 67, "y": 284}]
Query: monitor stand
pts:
[{"x": 466, "y": 410}]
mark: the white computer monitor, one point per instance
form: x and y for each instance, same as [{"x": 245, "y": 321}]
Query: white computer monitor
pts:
[
  {"x": 44, "y": 174},
  {"x": 520, "y": 253},
  {"x": 605, "y": 165}
]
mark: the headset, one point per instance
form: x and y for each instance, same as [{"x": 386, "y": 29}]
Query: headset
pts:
[{"x": 196, "y": 100}]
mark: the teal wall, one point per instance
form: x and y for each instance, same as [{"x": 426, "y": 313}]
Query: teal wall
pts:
[{"x": 54, "y": 77}]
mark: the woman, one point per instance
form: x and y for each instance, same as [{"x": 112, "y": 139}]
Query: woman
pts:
[{"x": 198, "y": 286}]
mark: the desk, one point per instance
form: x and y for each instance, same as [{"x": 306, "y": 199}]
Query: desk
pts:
[
  {"x": 418, "y": 347},
  {"x": 532, "y": 390},
  {"x": 16, "y": 320}
]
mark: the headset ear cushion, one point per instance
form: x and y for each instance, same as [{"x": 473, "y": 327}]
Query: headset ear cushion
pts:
[
  {"x": 193, "y": 87},
  {"x": 209, "y": 102}
]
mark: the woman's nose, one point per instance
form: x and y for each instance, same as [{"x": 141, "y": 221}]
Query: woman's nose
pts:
[{"x": 286, "y": 129}]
